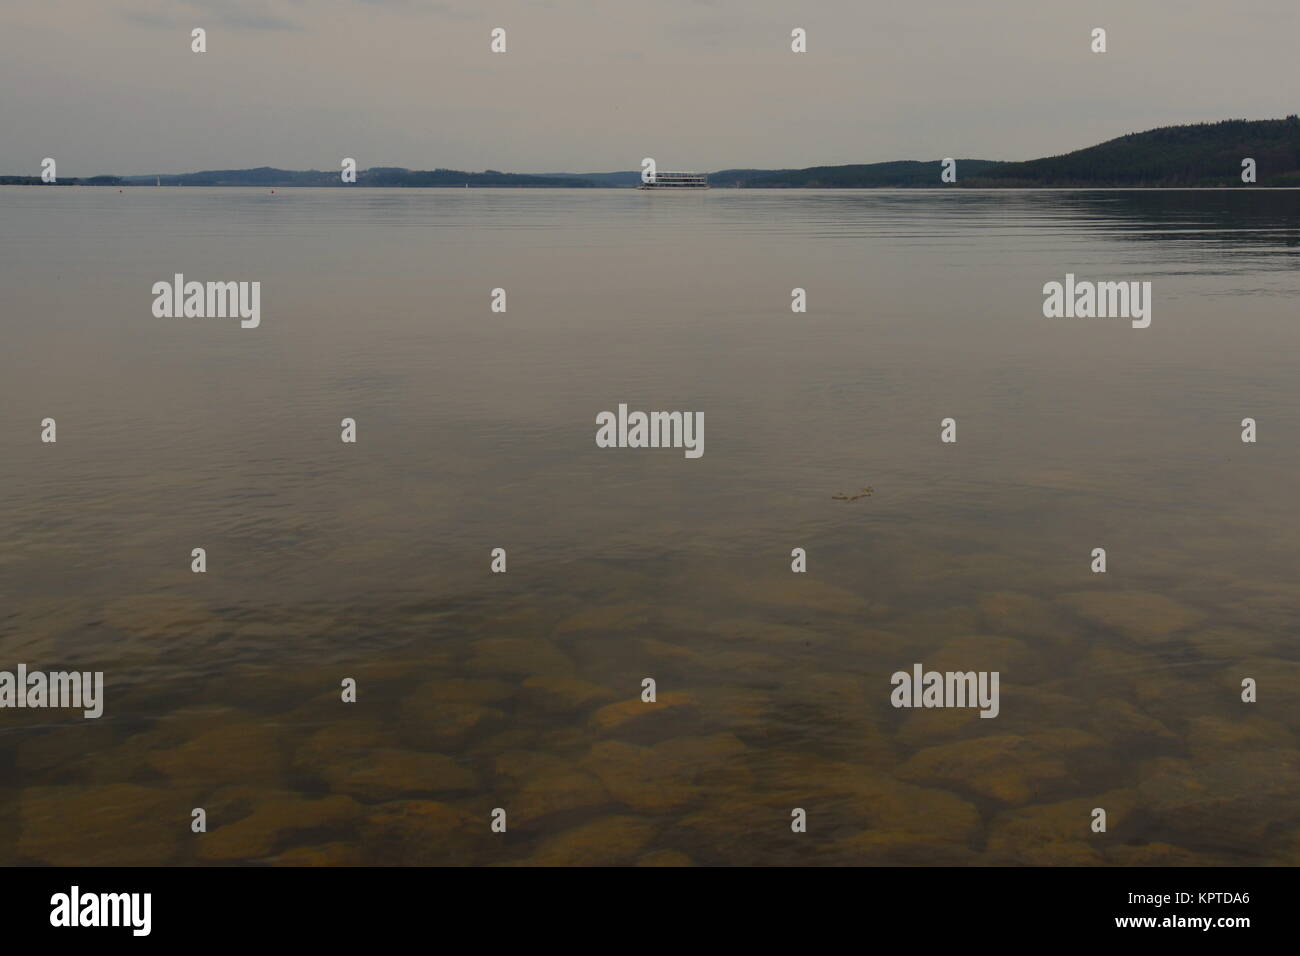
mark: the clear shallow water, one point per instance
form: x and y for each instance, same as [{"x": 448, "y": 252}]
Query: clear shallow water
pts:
[{"x": 476, "y": 431}]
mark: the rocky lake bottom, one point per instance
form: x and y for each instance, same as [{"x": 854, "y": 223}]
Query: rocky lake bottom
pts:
[
  {"x": 1120, "y": 699},
  {"x": 521, "y": 691}
]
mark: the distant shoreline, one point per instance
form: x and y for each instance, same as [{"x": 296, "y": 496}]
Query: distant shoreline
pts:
[
  {"x": 1225, "y": 154},
  {"x": 963, "y": 187}
]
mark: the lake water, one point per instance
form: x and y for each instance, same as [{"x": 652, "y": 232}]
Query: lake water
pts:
[{"x": 475, "y": 430}]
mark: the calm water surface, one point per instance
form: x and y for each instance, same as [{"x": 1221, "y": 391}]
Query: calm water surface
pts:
[{"x": 476, "y": 431}]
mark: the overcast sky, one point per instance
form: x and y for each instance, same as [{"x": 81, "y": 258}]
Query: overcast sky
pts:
[{"x": 110, "y": 86}]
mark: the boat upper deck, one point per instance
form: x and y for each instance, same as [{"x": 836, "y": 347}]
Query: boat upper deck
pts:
[{"x": 665, "y": 179}]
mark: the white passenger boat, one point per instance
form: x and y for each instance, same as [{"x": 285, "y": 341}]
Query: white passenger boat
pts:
[{"x": 667, "y": 180}]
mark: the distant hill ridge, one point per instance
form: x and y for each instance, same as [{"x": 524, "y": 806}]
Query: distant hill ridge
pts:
[
  {"x": 907, "y": 172},
  {"x": 376, "y": 176},
  {"x": 1201, "y": 154}
]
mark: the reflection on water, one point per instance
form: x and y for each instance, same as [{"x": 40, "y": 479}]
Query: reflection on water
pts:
[{"x": 475, "y": 431}]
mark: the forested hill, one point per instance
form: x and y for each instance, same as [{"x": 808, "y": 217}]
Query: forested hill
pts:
[
  {"x": 905, "y": 172},
  {"x": 377, "y": 176},
  {"x": 1204, "y": 154},
  {"x": 381, "y": 176}
]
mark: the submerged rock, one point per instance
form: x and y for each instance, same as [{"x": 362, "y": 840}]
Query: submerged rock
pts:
[
  {"x": 1011, "y": 768},
  {"x": 561, "y": 792},
  {"x": 1157, "y": 854},
  {"x": 609, "y": 841},
  {"x": 118, "y": 824},
  {"x": 235, "y": 752},
  {"x": 756, "y": 631},
  {"x": 435, "y": 722},
  {"x": 163, "y": 617},
  {"x": 1232, "y": 802},
  {"x": 273, "y": 817},
  {"x": 388, "y": 773},
  {"x": 349, "y": 737},
  {"x": 855, "y": 816},
  {"x": 1209, "y": 737},
  {"x": 465, "y": 691},
  {"x": 513, "y": 737},
  {"x": 522, "y": 764},
  {"x": 617, "y": 716},
  {"x": 670, "y": 774},
  {"x": 639, "y": 778},
  {"x": 563, "y": 695},
  {"x": 1059, "y": 834},
  {"x": 1141, "y": 616},
  {"x": 737, "y": 708},
  {"x": 887, "y": 804},
  {"x": 323, "y": 854},
  {"x": 924, "y": 629},
  {"x": 76, "y": 754},
  {"x": 518, "y": 656},
  {"x": 1022, "y": 710},
  {"x": 1030, "y": 710},
  {"x": 837, "y": 696},
  {"x": 664, "y": 651},
  {"x": 1233, "y": 643},
  {"x": 722, "y": 664},
  {"x": 893, "y": 848},
  {"x": 1014, "y": 661},
  {"x": 739, "y": 827},
  {"x": 926, "y": 726},
  {"x": 610, "y": 618},
  {"x": 45, "y": 620},
  {"x": 802, "y": 591},
  {"x": 1117, "y": 664},
  {"x": 713, "y": 761},
  {"x": 423, "y": 833},
  {"x": 842, "y": 794},
  {"x": 1124, "y": 725},
  {"x": 1010, "y": 612},
  {"x": 1277, "y": 684},
  {"x": 665, "y": 858}
]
